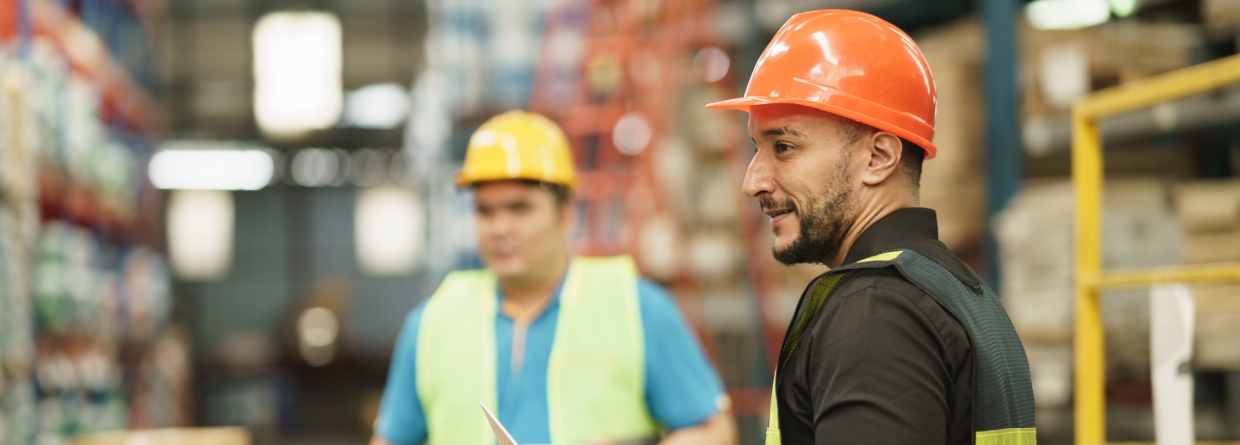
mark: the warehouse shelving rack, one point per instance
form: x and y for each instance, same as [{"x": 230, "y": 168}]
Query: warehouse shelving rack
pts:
[
  {"x": 1087, "y": 180},
  {"x": 89, "y": 56},
  {"x": 619, "y": 192},
  {"x": 645, "y": 46}
]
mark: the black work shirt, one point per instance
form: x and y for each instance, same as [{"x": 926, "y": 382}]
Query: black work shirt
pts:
[{"x": 882, "y": 362}]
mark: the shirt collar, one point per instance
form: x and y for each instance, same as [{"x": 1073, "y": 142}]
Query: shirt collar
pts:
[
  {"x": 893, "y": 231},
  {"x": 554, "y": 302}
]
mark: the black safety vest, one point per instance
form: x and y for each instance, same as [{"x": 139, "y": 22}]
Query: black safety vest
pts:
[{"x": 1002, "y": 389}]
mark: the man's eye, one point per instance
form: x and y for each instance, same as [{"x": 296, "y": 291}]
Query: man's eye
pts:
[{"x": 781, "y": 147}]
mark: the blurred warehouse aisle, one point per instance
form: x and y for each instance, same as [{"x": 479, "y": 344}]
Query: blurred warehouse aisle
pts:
[{"x": 219, "y": 213}]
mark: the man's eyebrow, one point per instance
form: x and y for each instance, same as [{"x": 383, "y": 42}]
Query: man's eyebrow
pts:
[
  {"x": 502, "y": 204},
  {"x": 780, "y": 131},
  {"x": 517, "y": 202}
]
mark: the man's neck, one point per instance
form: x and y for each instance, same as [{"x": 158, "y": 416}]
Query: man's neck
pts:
[
  {"x": 869, "y": 213},
  {"x": 537, "y": 287}
]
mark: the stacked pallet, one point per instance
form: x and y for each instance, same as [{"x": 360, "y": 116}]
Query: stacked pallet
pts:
[
  {"x": 1035, "y": 236},
  {"x": 1209, "y": 211}
]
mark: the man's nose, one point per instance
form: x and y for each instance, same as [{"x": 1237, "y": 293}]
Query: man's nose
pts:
[
  {"x": 499, "y": 226},
  {"x": 758, "y": 177}
]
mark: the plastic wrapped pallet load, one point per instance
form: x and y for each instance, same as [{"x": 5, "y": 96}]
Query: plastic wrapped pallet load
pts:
[
  {"x": 1036, "y": 284},
  {"x": 1210, "y": 214},
  {"x": 1035, "y": 242},
  {"x": 1036, "y": 251}
]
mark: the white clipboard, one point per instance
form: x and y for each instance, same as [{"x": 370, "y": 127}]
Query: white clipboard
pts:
[{"x": 501, "y": 434}]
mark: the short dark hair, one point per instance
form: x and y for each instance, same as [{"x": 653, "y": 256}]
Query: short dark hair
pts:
[
  {"x": 562, "y": 193},
  {"x": 911, "y": 155},
  {"x": 911, "y": 158}
]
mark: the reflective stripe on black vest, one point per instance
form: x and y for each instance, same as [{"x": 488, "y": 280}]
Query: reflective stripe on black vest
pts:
[{"x": 1002, "y": 390}]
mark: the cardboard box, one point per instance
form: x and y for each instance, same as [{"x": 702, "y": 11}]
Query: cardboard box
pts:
[{"x": 1217, "y": 339}]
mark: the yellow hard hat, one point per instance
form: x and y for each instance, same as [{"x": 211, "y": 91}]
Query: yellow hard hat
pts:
[{"x": 518, "y": 145}]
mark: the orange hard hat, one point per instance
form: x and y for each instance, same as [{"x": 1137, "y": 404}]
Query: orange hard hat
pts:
[{"x": 851, "y": 64}]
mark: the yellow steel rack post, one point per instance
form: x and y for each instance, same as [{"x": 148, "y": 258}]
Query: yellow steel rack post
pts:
[{"x": 1087, "y": 173}]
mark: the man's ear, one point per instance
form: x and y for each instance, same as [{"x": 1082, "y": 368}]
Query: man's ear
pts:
[{"x": 882, "y": 152}]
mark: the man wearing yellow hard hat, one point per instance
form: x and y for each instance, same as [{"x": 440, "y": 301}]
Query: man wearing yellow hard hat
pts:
[{"x": 566, "y": 350}]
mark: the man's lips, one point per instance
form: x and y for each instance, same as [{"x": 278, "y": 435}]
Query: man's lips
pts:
[{"x": 777, "y": 215}]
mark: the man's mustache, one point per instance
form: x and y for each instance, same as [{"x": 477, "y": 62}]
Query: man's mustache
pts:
[{"x": 767, "y": 203}]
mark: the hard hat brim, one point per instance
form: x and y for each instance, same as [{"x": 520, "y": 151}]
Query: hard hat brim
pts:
[
  {"x": 464, "y": 182},
  {"x": 747, "y": 103}
]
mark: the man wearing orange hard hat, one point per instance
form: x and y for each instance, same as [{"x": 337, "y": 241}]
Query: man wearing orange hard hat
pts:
[
  {"x": 900, "y": 342},
  {"x": 564, "y": 349}
]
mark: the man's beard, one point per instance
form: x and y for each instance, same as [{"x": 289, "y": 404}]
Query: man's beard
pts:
[{"x": 823, "y": 224}]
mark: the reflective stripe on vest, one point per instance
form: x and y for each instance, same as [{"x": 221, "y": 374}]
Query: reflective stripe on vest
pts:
[
  {"x": 595, "y": 375},
  {"x": 1003, "y": 392}
]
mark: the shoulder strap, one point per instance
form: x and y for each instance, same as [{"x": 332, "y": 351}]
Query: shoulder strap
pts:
[
  {"x": 811, "y": 302},
  {"x": 460, "y": 316},
  {"x": 816, "y": 295},
  {"x": 596, "y": 379},
  {"x": 1003, "y": 391}
]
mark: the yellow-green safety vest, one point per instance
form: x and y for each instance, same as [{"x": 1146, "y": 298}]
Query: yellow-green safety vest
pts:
[
  {"x": 1003, "y": 412},
  {"x": 596, "y": 376}
]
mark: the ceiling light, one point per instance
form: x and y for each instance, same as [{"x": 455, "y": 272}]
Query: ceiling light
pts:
[
  {"x": 379, "y": 106},
  {"x": 370, "y": 167},
  {"x": 318, "y": 327},
  {"x": 388, "y": 228},
  {"x": 317, "y": 331},
  {"x": 200, "y": 233},
  {"x": 211, "y": 169},
  {"x": 315, "y": 167},
  {"x": 1123, "y": 8},
  {"x": 297, "y": 72},
  {"x": 1067, "y": 14}
]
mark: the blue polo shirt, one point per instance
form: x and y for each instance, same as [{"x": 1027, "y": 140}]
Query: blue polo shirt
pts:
[{"x": 682, "y": 388}]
